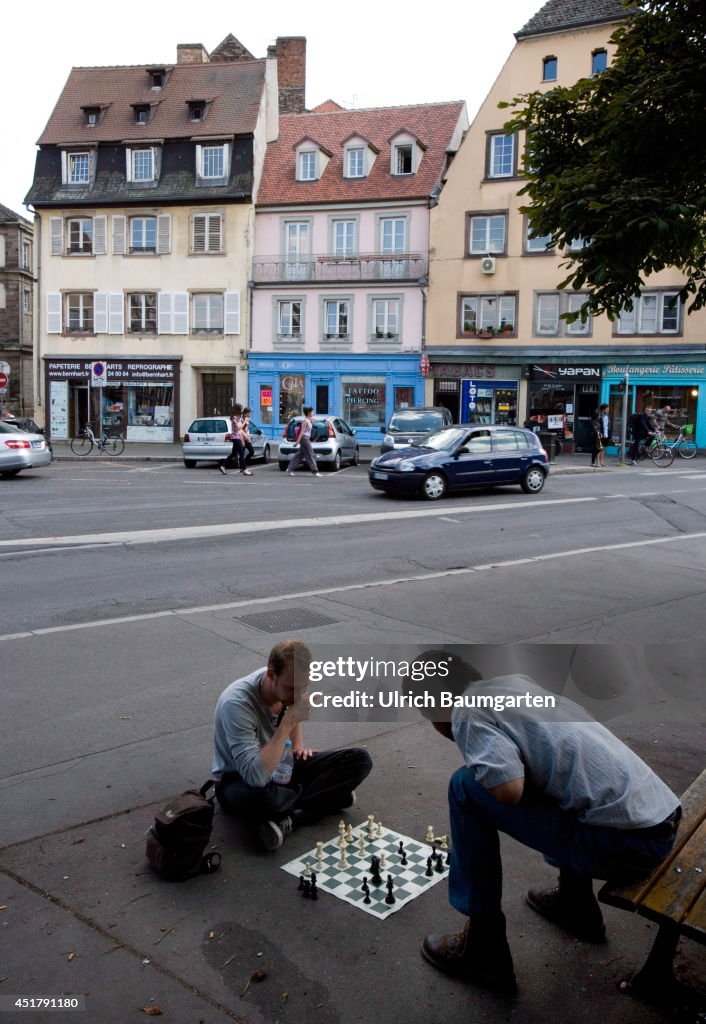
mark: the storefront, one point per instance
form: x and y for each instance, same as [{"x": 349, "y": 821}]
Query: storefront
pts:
[
  {"x": 138, "y": 399},
  {"x": 561, "y": 400},
  {"x": 363, "y": 390},
  {"x": 682, "y": 386},
  {"x": 477, "y": 392}
]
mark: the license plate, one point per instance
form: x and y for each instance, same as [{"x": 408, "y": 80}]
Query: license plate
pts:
[{"x": 380, "y": 476}]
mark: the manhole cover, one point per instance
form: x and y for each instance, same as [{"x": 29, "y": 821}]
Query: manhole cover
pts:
[{"x": 286, "y": 620}]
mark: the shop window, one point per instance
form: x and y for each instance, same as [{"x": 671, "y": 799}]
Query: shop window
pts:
[
  {"x": 265, "y": 404},
  {"x": 291, "y": 396},
  {"x": 150, "y": 413},
  {"x": 363, "y": 401}
]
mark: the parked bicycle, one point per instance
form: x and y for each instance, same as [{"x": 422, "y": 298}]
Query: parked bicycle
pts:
[
  {"x": 109, "y": 444},
  {"x": 655, "y": 448}
]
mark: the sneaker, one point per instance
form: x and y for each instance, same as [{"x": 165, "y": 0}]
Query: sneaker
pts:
[
  {"x": 583, "y": 919},
  {"x": 318, "y": 474},
  {"x": 246, "y": 472},
  {"x": 274, "y": 833},
  {"x": 222, "y": 469},
  {"x": 473, "y": 956},
  {"x": 633, "y": 462}
]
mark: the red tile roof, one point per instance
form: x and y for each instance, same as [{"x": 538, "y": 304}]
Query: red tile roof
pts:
[
  {"x": 235, "y": 88},
  {"x": 433, "y": 124}
]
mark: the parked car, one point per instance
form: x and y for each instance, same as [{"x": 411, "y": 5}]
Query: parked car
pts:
[
  {"x": 209, "y": 440},
  {"x": 29, "y": 425},
  {"x": 20, "y": 449},
  {"x": 332, "y": 440},
  {"x": 408, "y": 426},
  {"x": 459, "y": 457}
]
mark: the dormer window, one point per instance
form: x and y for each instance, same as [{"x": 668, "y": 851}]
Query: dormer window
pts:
[
  {"x": 76, "y": 168},
  {"x": 403, "y": 159},
  {"x": 141, "y": 112},
  {"x": 92, "y": 115},
  {"x": 197, "y": 110},
  {"x": 140, "y": 164},
  {"x": 306, "y": 166},
  {"x": 355, "y": 162},
  {"x": 157, "y": 77},
  {"x": 405, "y": 153},
  {"x": 213, "y": 161}
]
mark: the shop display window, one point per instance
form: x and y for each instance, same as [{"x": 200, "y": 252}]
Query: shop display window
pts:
[
  {"x": 363, "y": 401},
  {"x": 291, "y": 396}
]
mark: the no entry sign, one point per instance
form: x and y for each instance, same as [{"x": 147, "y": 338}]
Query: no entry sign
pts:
[{"x": 4, "y": 380}]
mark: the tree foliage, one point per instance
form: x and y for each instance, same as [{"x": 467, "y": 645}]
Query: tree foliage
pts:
[{"x": 619, "y": 160}]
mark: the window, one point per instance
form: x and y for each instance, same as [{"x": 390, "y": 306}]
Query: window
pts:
[
  {"x": 344, "y": 242},
  {"x": 79, "y": 312},
  {"x": 78, "y": 169},
  {"x": 142, "y": 165},
  {"x": 652, "y": 313},
  {"x": 549, "y": 69},
  {"x": 291, "y": 396},
  {"x": 92, "y": 115},
  {"x": 336, "y": 313},
  {"x": 207, "y": 234},
  {"x": 26, "y": 256},
  {"x": 496, "y": 313},
  {"x": 143, "y": 234},
  {"x": 27, "y": 301},
  {"x": 81, "y": 235},
  {"x": 297, "y": 249},
  {"x": 363, "y": 400},
  {"x": 599, "y": 61},
  {"x": 157, "y": 76},
  {"x": 487, "y": 234},
  {"x": 208, "y": 313},
  {"x": 540, "y": 244},
  {"x": 197, "y": 110},
  {"x": 142, "y": 313},
  {"x": 385, "y": 319},
  {"x": 548, "y": 309},
  {"x": 402, "y": 159},
  {"x": 501, "y": 156},
  {"x": 212, "y": 162},
  {"x": 289, "y": 318},
  {"x": 355, "y": 163},
  {"x": 141, "y": 113},
  {"x": 307, "y": 165},
  {"x": 393, "y": 235}
]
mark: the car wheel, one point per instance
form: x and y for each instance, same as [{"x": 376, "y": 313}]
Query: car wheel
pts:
[
  {"x": 10, "y": 472},
  {"x": 336, "y": 464},
  {"x": 356, "y": 457},
  {"x": 282, "y": 465},
  {"x": 434, "y": 486},
  {"x": 190, "y": 463},
  {"x": 533, "y": 480},
  {"x": 266, "y": 453}
]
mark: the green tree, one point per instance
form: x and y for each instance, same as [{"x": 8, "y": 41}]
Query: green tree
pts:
[{"x": 619, "y": 160}]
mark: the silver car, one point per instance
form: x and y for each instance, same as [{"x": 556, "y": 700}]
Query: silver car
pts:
[
  {"x": 209, "y": 440},
  {"x": 21, "y": 450},
  {"x": 332, "y": 440}
]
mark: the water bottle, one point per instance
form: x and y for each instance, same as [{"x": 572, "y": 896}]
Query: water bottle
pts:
[{"x": 283, "y": 772}]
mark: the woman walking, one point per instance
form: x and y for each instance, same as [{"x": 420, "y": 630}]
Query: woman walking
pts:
[
  {"x": 237, "y": 455},
  {"x": 305, "y": 452},
  {"x": 597, "y": 449}
]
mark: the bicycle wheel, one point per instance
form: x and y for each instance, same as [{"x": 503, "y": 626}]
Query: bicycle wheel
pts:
[
  {"x": 662, "y": 455},
  {"x": 686, "y": 448},
  {"x": 81, "y": 445},
  {"x": 113, "y": 445}
]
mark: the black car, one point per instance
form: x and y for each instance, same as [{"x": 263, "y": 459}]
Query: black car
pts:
[{"x": 460, "y": 457}]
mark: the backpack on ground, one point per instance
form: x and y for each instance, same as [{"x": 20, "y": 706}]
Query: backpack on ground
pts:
[{"x": 180, "y": 834}]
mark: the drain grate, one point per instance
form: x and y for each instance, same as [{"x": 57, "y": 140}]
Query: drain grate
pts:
[{"x": 286, "y": 620}]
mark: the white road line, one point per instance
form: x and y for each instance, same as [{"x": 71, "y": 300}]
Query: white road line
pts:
[{"x": 329, "y": 591}]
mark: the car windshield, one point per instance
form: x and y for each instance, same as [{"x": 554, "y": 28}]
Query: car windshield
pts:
[
  {"x": 444, "y": 440},
  {"x": 418, "y": 422}
]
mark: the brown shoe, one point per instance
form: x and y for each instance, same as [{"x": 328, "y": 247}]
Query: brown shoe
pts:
[
  {"x": 473, "y": 956},
  {"x": 582, "y": 918}
]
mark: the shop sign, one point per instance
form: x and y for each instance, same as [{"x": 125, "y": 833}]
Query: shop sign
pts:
[
  {"x": 359, "y": 395},
  {"x": 659, "y": 370},
  {"x": 265, "y": 397},
  {"x": 292, "y": 383},
  {"x": 122, "y": 371},
  {"x": 556, "y": 372},
  {"x": 424, "y": 364},
  {"x": 458, "y": 370}
]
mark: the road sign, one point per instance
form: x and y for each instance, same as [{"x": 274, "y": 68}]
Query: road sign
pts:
[
  {"x": 98, "y": 374},
  {"x": 4, "y": 381}
]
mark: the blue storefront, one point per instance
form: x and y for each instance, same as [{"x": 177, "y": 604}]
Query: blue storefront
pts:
[
  {"x": 363, "y": 390},
  {"x": 657, "y": 383}
]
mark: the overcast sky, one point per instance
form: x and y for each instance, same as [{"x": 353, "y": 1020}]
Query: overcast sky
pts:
[{"x": 390, "y": 55}]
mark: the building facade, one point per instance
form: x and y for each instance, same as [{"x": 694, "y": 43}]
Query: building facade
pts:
[
  {"x": 499, "y": 351},
  {"x": 16, "y": 312},
  {"x": 143, "y": 195},
  {"x": 339, "y": 278}
]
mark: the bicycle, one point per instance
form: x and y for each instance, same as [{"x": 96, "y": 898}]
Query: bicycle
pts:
[
  {"x": 684, "y": 442},
  {"x": 86, "y": 441},
  {"x": 656, "y": 449}
]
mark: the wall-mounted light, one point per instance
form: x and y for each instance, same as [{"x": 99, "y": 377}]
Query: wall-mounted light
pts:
[{"x": 694, "y": 392}]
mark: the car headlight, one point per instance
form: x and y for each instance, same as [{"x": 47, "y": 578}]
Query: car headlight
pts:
[
  {"x": 406, "y": 466},
  {"x": 388, "y": 439}
]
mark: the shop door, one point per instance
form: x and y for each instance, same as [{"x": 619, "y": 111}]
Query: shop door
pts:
[
  {"x": 587, "y": 403},
  {"x": 322, "y": 398},
  {"x": 79, "y": 408},
  {"x": 217, "y": 393}
]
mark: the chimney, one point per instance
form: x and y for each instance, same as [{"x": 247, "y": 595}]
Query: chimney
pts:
[
  {"x": 290, "y": 52},
  {"x": 192, "y": 53}
]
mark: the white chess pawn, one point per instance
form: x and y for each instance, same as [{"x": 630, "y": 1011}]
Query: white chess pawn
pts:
[
  {"x": 307, "y": 870},
  {"x": 383, "y": 861},
  {"x": 319, "y": 854},
  {"x": 371, "y": 825},
  {"x": 343, "y": 862},
  {"x": 349, "y": 834},
  {"x": 361, "y": 845},
  {"x": 378, "y": 830},
  {"x": 444, "y": 844},
  {"x": 430, "y": 834}
]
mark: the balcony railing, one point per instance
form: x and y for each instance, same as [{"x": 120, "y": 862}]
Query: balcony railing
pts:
[{"x": 361, "y": 267}]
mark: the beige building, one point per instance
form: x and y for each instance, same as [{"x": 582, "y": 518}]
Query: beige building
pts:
[
  {"x": 498, "y": 350},
  {"x": 143, "y": 196}
]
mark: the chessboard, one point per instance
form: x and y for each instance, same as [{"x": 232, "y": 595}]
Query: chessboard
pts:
[{"x": 409, "y": 880}]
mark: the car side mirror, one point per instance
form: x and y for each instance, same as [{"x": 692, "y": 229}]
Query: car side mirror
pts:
[
  {"x": 353, "y": 431},
  {"x": 463, "y": 451}
]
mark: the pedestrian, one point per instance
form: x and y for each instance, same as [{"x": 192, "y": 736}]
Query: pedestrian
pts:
[
  {"x": 604, "y": 416},
  {"x": 305, "y": 452},
  {"x": 255, "y": 717},
  {"x": 237, "y": 454},
  {"x": 597, "y": 452},
  {"x": 557, "y": 781},
  {"x": 245, "y": 434},
  {"x": 641, "y": 429}
]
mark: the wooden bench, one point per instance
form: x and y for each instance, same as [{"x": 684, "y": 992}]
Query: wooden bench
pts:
[{"x": 674, "y": 896}]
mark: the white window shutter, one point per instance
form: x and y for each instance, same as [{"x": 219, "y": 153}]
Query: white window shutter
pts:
[
  {"x": 164, "y": 233},
  {"x": 57, "y": 236},
  {"x": 181, "y": 313},
  {"x": 53, "y": 313},
  {"x": 232, "y": 313},
  {"x": 100, "y": 312},
  {"x": 199, "y": 233},
  {"x": 164, "y": 313},
  {"x": 119, "y": 228},
  {"x": 115, "y": 313},
  {"x": 128, "y": 164},
  {"x": 64, "y": 167},
  {"x": 100, "y": 235},
  {"x": 215, "y": 243},
  {"x": 199, "y": 162}
]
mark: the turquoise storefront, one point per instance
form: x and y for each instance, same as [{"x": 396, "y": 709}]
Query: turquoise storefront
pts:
[{"x": 657, "y": 383}]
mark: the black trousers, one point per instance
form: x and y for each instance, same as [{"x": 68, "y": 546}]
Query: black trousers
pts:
[
  {"x": 321, "y": 785},
  {"x": 237, "y": 455}
]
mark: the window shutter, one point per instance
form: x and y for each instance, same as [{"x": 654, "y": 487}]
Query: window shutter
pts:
[
  {"x": 164, "y": 313},
  {"x": 119, "y": 228},
  {"x": 57, "y": 236},
  {"x": 53, "y": 313},
  {"x": 164, "y": 233},
  {"x": 232, "y": 313},
  {"x": 214, "y": 232},
  {"x": 115, "y": 313},
  {"x": 199, "y": 229},
  {"x": 64, "y": 167},
  {"x": 100, "y": 233},
  {"x": 128, "y": 164},
  {"x": 100, "y": 312},
  {"x": 199, "y": 162},
  {"x": 181, "y": 313}
]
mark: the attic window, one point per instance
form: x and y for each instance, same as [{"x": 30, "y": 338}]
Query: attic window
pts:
[
  {"x": 157, "y": 77},
  {"x": 92, "y": 115},
  {"x": 197, "y": 110},
  {"x": 402, "y": 163},
  {"x": 142, "y": 113}
]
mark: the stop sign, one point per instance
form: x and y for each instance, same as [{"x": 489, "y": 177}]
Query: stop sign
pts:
[{"x": 3, "y": 380}]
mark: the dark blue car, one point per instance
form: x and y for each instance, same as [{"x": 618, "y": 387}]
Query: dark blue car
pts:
[{"x": 459, "y": 457}]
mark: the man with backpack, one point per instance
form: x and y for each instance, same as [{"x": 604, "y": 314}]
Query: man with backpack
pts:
[
  {"x": 255, "y": 718},
  {"x": 641, "y": 429}
]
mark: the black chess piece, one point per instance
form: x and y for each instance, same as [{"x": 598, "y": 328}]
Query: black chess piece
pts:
[
  {"x": 403, "y": 853},
  {"x": 428, "y": 871},
  {"x": 306, "y": 891},
  {"x": 301, "y": 883},
  {"x": 375, "y": 876},
  {"x": 366, "y": 889},
  {"x": 439, "y": 864},
  {"x": 448, "y": 856},
  {"x": 313, "y": 891},
  {"x": 389, "y": 898}
]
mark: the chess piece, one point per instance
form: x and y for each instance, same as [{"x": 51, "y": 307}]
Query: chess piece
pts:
[
  {"x": 341, "y": 827},
  {"x": 319, "y": 855},
  {"x": 306, "y": 891},
  {"x": 375, "y": 871},
  {"x": 366, "y": 889},
  {"x": 429, "y": 873},
  {"x": 349, "y": 834},
  {"x": 343, "y": 862},
  {"x": 390, "y": 899},
  {"x": 439, "y": 864},
  {"x": 430, "y": 834},
  {"x": 361, "y": 845},
  {"x": 378, "y": 830},
  {"x": 307, "y": 870},
  {"x": 313, "y": 891},
  {"x": 301, "y": 883},
  {"x": 383, "y": 861},
  {"x": 371, "y": 826}
]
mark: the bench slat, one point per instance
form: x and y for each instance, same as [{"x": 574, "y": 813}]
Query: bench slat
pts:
[
  {"x": 680, "y": 887},
  {"x": 694, "y": 924}
]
